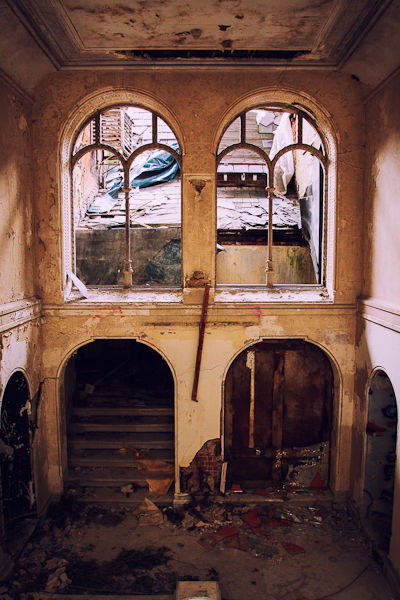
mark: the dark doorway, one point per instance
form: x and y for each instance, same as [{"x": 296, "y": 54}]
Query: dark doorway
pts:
[
  {"x": 380, "y": 460},
  {"x": 120, "y": 413},
  {"x": 278, "y": 402},
  {"x": 15, "y": 454}
]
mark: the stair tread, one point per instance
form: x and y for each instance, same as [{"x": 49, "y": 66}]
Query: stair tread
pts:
[
  {"x": 123, "y": 427},
  {"x": 105, "y": 497},
  {"x": 107, "y": 461},
  {"x": 135, "y": 443},
  {"x": 121, "y": 411},
  {"x": 117, "y": 481}
]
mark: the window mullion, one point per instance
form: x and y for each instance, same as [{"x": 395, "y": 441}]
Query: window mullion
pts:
[{"x": 128, "y": 261}]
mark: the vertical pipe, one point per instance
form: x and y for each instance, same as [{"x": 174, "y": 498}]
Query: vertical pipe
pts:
[{"x": 199, "y": 354}]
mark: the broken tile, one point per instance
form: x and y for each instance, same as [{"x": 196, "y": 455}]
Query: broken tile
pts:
[{"x": 292, "y": 548}]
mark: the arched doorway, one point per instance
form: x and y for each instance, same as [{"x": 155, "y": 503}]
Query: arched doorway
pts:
[
  {"x": 380, "y": 459},
  {"x": 277, "y": 418},
  {"x": 15, "y": 454},
  {"x": 120, "y": 421}
]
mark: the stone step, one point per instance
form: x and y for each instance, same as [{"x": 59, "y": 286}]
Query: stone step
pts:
[
  {"x": 160, "y": 470},
  {"x": 103, "y": 482},
  {"x": 119, "y": 456},
  {"x": 47, "y": 596},
  {"x": 120, "y": 443},
  {"x": 104, "y": 496},
  {"x": 90, "y": 411},
  {"x": 122, "y": 427}
]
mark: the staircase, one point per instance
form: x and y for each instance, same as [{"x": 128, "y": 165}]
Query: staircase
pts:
[{"x": 118, "y": 446}]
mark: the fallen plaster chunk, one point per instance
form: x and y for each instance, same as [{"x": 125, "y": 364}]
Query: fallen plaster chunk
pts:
[{"x": 197, "y": 590}]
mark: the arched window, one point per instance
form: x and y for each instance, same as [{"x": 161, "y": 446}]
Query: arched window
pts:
[
  {"x": 271, "y": 199},
  {"x": 126, "y": 199}
]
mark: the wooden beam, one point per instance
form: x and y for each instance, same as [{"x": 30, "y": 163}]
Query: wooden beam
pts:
[{"x": 277, "y": 414}]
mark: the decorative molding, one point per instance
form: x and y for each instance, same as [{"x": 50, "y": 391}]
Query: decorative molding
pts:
[
  {"x": 14, "y": 314},
  {"x": 364, "y": 22},
  {"x": 380, "y": 313},
  {"x": 381, "y": 86},
  {"x": 14, "y": 86},
  {"x": 49, "y": 24}
]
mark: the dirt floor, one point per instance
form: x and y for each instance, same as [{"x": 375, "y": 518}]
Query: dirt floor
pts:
[{"x": 269, "y": 551}]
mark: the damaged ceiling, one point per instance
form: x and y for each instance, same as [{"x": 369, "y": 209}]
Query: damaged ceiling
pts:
[{"x": 81, "y": 33}]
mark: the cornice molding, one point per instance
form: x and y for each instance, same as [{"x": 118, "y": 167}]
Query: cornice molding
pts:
[
  {"x": 15, "y": 87},
  {"x": 48, "y": 22},
  {"x": 380, "y": 313},
  {"x": 20, "y": 312}
]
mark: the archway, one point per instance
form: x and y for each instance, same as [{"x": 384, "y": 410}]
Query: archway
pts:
[
  {"x": 15, "y": 453},
  {"x": 277, "y": 418},
  {"x": 380, "y": 460},
  {"x": 120, "y": 421}
]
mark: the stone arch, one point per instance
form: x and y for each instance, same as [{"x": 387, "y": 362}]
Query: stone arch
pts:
[
  {"x": 380, "y": 458},
  {"x": 334, "y": 399},
  {"x": 317, "y": 265},
  {"x": 118, "y": 398},
  {"x": 96, "y": 101},
  {"x": 18, "y": 499}
]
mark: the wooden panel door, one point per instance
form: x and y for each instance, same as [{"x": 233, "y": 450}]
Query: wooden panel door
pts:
[{"x": 277, "y": 401}]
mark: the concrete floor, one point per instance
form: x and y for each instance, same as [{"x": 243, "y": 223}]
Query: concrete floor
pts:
[{"x": 270, "y": 551}]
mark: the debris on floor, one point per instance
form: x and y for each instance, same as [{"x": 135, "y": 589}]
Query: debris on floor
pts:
[{"x": 273, "y": 550}]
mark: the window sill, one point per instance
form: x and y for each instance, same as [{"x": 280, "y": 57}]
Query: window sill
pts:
[
  {"x": 276, "y": 294},
  {"x": 116, "y": 295}
]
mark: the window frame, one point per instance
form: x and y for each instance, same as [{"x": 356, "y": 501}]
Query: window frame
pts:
[
  {"x": 286, "y": 101},
  {"x": 99, "y": 102}
]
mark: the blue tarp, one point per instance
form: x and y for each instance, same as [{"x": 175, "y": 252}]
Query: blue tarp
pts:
[{"x": 160, "y": 167}]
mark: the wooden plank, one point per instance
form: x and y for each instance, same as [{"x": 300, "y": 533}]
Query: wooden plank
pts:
[
  {"x": 250, "y": 364},
  {"x": 277, "y": 413}
]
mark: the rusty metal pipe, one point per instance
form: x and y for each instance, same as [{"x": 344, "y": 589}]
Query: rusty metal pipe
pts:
[{"x": 202, "y": 328}]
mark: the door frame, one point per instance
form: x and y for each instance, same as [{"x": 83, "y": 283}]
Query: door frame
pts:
[{"x": 336, "y": 435}]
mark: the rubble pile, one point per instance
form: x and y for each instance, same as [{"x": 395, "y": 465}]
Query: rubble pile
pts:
[{"x": 87, "y": 549}]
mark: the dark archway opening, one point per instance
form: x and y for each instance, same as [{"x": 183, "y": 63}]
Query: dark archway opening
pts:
[
  {"x": 380, "y": 460},
  {"x": 15, "y": 453},
  {"x": 120, "y": 415},
  {"x": 278, "y": 406}
]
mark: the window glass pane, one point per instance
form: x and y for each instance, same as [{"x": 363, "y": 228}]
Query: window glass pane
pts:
[
  {"x": 166, "y": 135},
  {"x": 242, "y": 218},
  {"x": 284, "y": 134},
  {"x": 155, "y": 219},
  {"x": 260, "y": 127},
  {"x": 231, "y": 135},
  {"x": 85, "y": 137},
  {"x": 126, "y": 128},
  {"x": 311, "y": 135},
  {"x": 297, "y": 219},
  {"x": 99, "y": 218}
]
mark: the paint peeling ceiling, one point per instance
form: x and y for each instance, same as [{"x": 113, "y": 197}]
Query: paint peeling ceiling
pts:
[{"x": 82, "y": 33}]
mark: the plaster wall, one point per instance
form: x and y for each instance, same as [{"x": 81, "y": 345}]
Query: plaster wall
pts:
[
  {"x": 172, "y": 331},
  {"x": 197, "y": 104},
  {"x": 15, "y": 195},
  {"x": 378, "y": 340}
]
